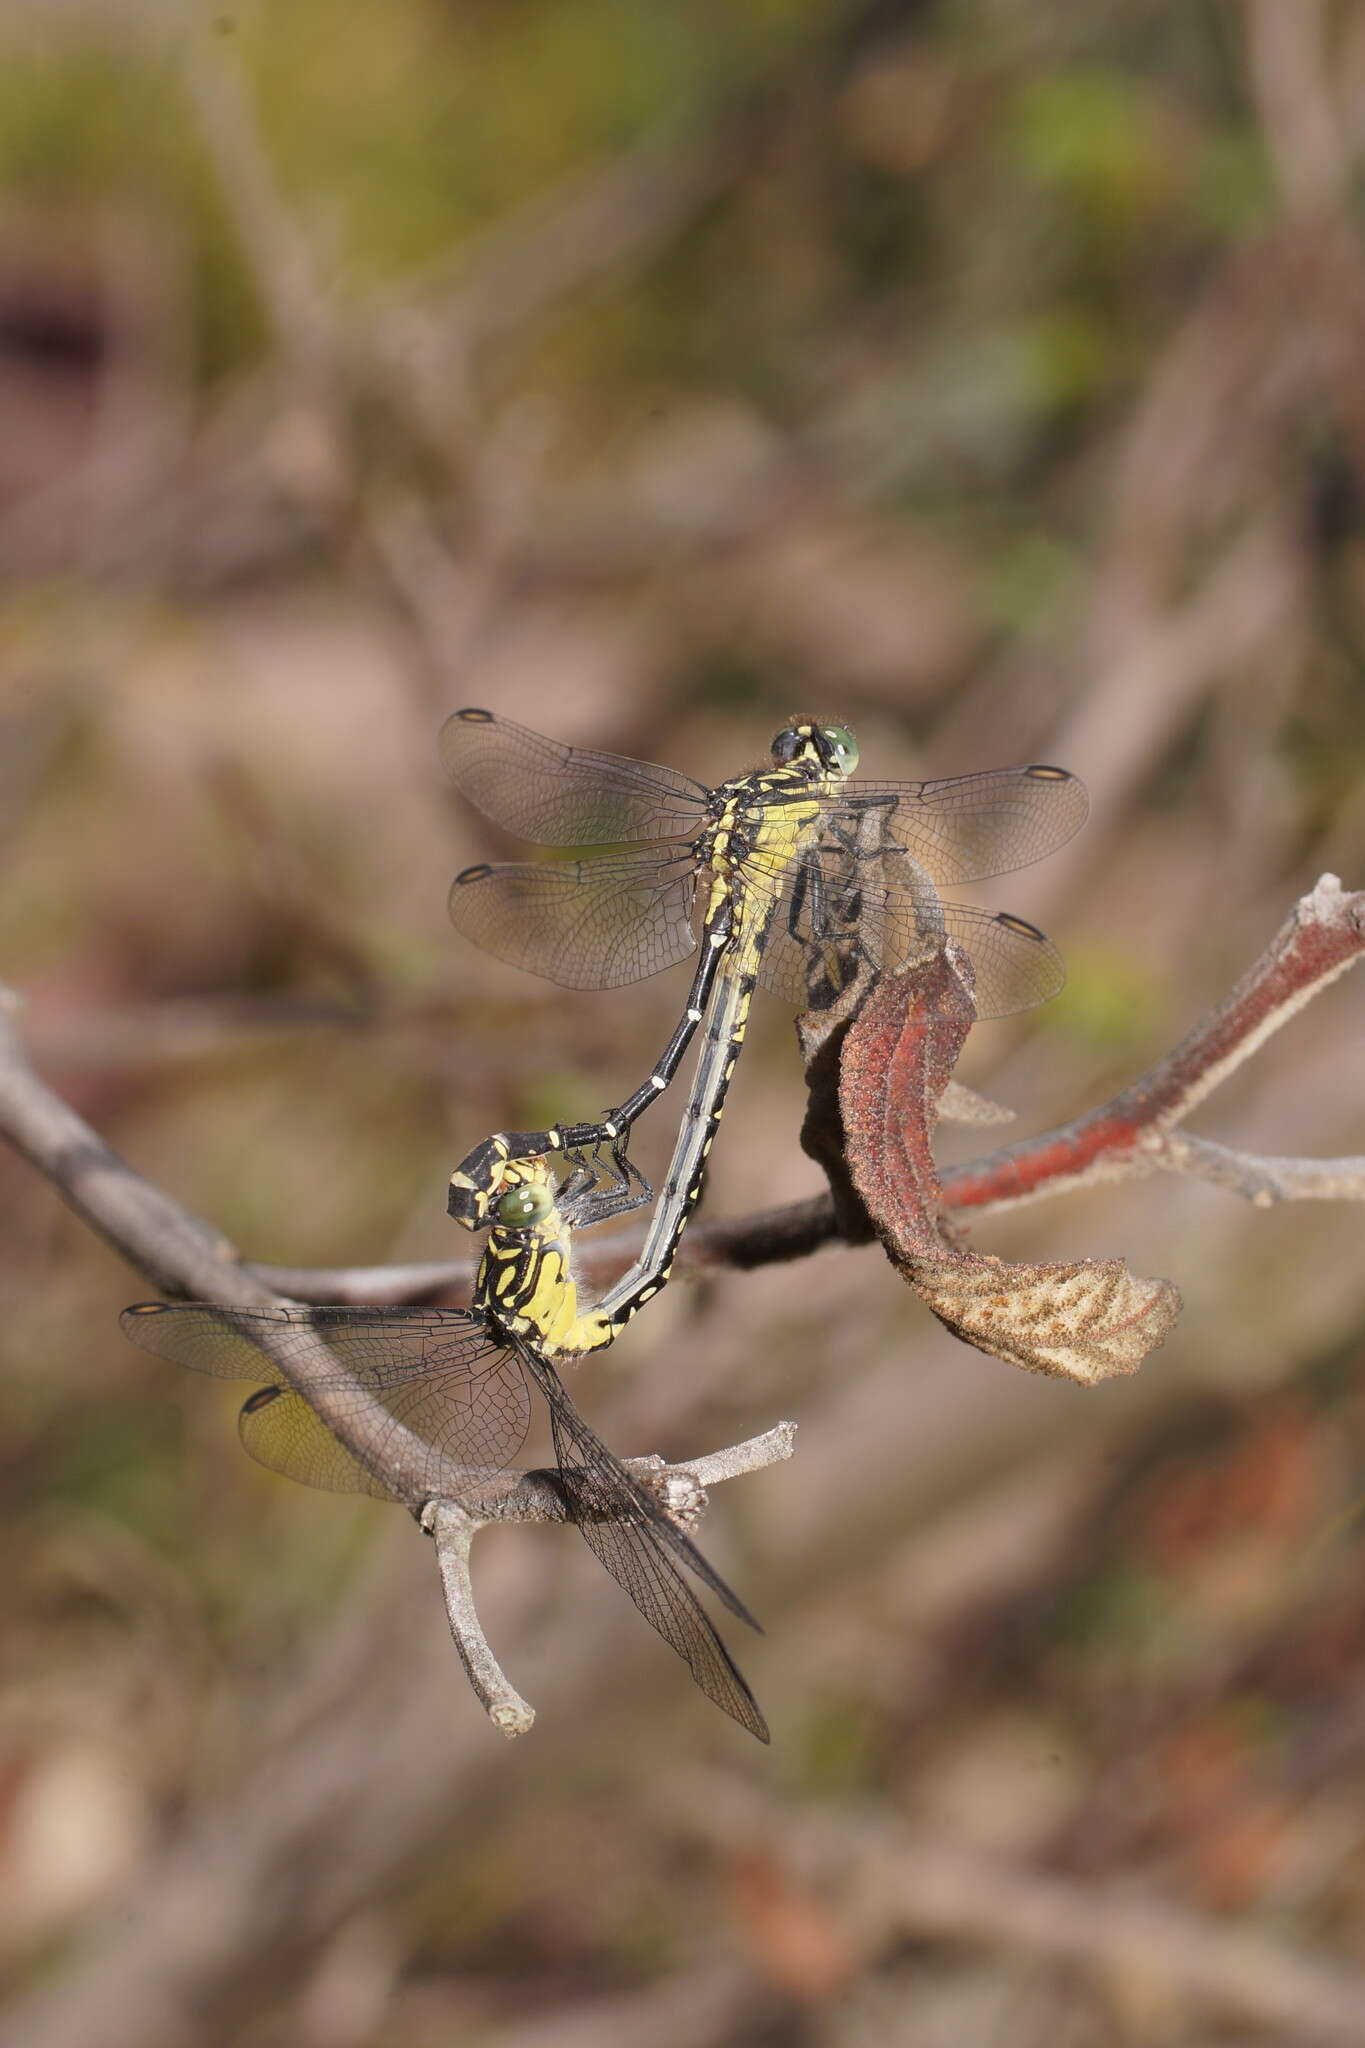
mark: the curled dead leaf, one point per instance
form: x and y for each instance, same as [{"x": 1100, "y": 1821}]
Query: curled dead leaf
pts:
[{"x": 1084, "y": 1321}]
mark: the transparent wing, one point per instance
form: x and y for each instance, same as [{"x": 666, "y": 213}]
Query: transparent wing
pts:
[
  {"x": 430, "y": 1377},
  {"x": 280, "y": 1431},
  {"x": 564, "y": 796},
  {"x": 967, "y": 827},
  {"x": 583, "y": 923},
  {"x": 830, "y": 912},
  {"x": 630, "y": 1533},
  {"x": 1016, "y": 965}
]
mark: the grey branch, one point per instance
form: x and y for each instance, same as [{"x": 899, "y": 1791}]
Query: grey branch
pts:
[
  {"x": 454, "y": 1526},
  {"x": 182, "y": 1255},
  {"x": 454, "y": 1529},
  {"x": 1261, "y": 1179}
]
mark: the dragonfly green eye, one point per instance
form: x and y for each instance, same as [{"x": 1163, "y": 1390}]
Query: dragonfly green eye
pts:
[
  {"x": 842, "y": 746},
  {"x": 525, "y": 1205}
]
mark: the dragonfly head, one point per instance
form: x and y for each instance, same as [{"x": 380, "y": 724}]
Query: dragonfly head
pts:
[
  {"x": 525, "y": 1196},
  {"x": 829, "y": 749},
  {"x": 497, "y": 1191}
]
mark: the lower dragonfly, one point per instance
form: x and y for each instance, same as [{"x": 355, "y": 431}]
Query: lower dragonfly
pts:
[{"x": 442, "y": 1395}]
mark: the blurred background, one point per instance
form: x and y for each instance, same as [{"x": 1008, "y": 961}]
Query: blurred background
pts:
[{"x": 990, "y": 375}]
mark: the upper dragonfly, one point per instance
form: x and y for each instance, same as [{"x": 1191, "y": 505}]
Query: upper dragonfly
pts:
[
  {"x": 810, "y": 877},
  {"x": 441, "y": 1396}
]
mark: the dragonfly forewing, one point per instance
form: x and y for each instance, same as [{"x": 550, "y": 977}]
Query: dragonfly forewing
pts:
[
  {"x": 969, "y": 827},
  {"x": 556, "y": 795}
]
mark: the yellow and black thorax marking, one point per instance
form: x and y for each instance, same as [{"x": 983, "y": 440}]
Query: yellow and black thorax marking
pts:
[
  {"x": 763, "y": 818},
  {"x": 525, "y": 1281}
]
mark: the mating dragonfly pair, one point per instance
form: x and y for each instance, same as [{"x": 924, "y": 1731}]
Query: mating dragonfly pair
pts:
[{"x": 804, "y": 883}]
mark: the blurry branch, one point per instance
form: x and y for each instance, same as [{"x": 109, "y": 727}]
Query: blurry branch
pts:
[
  {"x": 1305, "y": 134},
  {"x": 285, "y": 272},
  {"x": 891, "y": 1883},
  {"x": 705, "y": 2000},
  {"x": 610, "y": 222},
  {"x": 604, "y": 225},
  {"x": 1166, "y": 656},
  {"x": 599, "y": 225},
  {"x": 326, "y": 371},
  {"x": 1286, "y": 47},
  {"x": 420, "y": 355},
  {"x": 1137, "y": 1131},
  {"x": 181, "y": 1255},
  {"x": 913, "y": 1885}
]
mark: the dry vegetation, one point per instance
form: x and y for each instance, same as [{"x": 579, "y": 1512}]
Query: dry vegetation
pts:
[{"x": 991, "y": 375}]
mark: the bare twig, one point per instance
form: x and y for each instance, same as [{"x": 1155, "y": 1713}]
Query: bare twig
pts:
[
  {"x": 1323, "y": 936},
  {"x": 454, "y": 1525},
  {"x": 454, "y": 1529},
  {"x": 175, "y": 1249},
  {"x": 754, "y": 1456},
  {"x": 741, "y": 1242},
  {"x": 1263, "y": 1180}
]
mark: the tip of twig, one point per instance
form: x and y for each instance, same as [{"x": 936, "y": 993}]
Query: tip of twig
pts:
[
  {"x": 1328, "y": 898},
  {"x": 512, "y": 1721}
]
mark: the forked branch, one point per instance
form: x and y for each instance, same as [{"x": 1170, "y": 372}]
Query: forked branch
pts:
[{"x": 182, "y": 1255}]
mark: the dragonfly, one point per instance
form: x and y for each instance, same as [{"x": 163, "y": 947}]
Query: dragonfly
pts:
[
  {"x": 801, "y": 877},
  {"x": 442, "y": 1396}
]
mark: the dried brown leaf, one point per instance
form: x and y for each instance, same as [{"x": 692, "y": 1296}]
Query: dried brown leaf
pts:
[{"x": 1084, "y": 1321}]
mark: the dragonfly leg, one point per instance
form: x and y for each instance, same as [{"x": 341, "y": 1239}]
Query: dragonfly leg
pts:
[
  {"x": 597, "y": 1192},
  {"x": 830, "y": 940},
  {"x": 474, "y": 1179}
]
